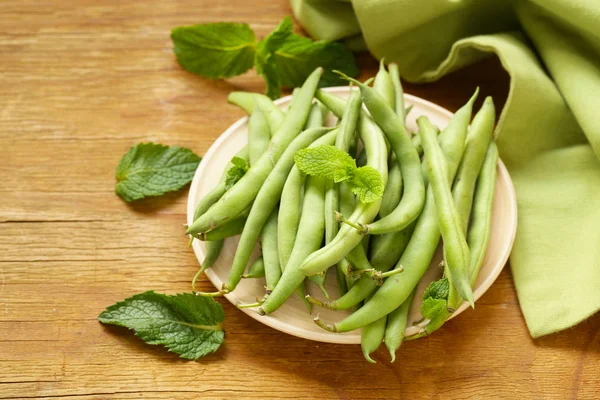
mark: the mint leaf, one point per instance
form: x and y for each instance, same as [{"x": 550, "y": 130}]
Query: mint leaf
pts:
[
  {"x": 437, "y": 289},
  {"x": 219, "y": 50},
  {"x": 236, "y": 171},
  {"x": 367, "y": 184},
  {"x": 264, "y": 60},
  {"x": 436, "y": 310},
  {"x": 185, "y": 324},
  {"x": 298, "y": 56},
  {"x": 435, "y": 304},
  {"x": 150, "y": 169},
  {"x": 276, "y": 38},
  {"x": 326, "y": 161}
]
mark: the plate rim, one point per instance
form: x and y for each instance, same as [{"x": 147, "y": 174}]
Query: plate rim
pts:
[{"x": 327, "y": 337}]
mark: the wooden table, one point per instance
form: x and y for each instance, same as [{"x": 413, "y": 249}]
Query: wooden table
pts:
[{"x": 84, "y": 80}]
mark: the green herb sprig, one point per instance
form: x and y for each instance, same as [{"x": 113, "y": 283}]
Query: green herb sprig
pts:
[{"x": 283, "y": 59}]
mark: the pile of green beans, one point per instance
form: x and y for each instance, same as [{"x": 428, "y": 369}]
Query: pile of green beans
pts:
[{"x": 439, "y": 186}]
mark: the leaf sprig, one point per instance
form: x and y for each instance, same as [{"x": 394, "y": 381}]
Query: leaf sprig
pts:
[
  {"x": 329, "y": 162},
  {"x": 283, "y": 59}
]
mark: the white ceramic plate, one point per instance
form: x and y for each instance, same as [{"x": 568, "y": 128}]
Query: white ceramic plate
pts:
[{"x": 293, "y": 317}]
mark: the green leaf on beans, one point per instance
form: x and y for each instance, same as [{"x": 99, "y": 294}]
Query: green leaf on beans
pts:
[
  {"x": 435, "y": 304},
  {"x": 329, "y": 162},
  {"x": 436, "y": 310},
  {"x": 150, "y": 169},
  {"x": 326, "y": 161},
  {"x": 437, "y": 289},
  {"x": 185, "y": 324},
  {"x": 236, "y": 171},
  {"x": 367, "y": 184},
  {"x": 216, "y": 50}
]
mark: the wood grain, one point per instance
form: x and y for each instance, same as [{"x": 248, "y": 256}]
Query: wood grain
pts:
[{"x": 84, "y": 80}]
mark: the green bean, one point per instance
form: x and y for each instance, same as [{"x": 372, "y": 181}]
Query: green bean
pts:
[
  {"x": 423, "y": 242},
  {"x": 256, "y": 270},
  {"x": 393, "y": 188},
  {"x": 371, "y": 337},
  {"x": 398, "y": 92},
  {"x": 315, "y": 117},
  {"x": 245, "y": 190},
  {"x": 266, "y": 201},
  {"x": 309, "y": 238},
  {"x": 384, "y": 86},
  {"x": 269, "y": 251},
  {"x": 410, "y": 165},
  {"x": 478, "y": 138},
  {"x": 416, "y": 139},
  {"x": 348, "y": 237},
  {"x": 231, "y": 228},
  {"x": 358, "y": 257},
  {"x": 258, "y": 135},
  {"x": 213, "y": 250},
  {"x": 344, "y": 140},
  {"x": 247, "y": 102},
  {"x": 397, "y": 321},
  {"x": 456, "y": 250},
  {"x": 288, "y": 219},
  {"x": 479, "y": 233},
  {"x": 289, "y": 214},
  {"x": 346, "y": 205}
]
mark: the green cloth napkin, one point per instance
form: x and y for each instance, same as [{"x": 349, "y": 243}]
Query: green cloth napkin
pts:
[{"x": 548, "y": 132}]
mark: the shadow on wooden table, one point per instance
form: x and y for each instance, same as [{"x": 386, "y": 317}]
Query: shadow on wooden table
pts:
[
  {"x": 583, "y": 336},
  {"x": 152, "y": 205}
]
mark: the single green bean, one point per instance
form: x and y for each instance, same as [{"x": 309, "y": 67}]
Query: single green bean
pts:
[
  {"x": 410, "y": 165},
  {"x": 347, "y": 204},
  {"x": 256, "y": 270},
  {"x": 315, "y": 117},
  {"x": 288, "y": 220},
  {"x": 269, "y": 251},
  {"x": 266, "y": 201},
  {"x": 479, "y": 233},
  {"x": 231, "y": 228},
  {"x": 247, "y": 102},
  {"x": 309, "y": 238},
  {"x": 345, "y": 139},
  {"x": 423, "y": 242},
  {"x": 213, "y": 250},
  {"x": 315, "y": 120},
  {"x": 416, "y": 139},
  {"x": 456, "y": 250},
  {"x": 384, "y": 86},
  {"x": 371, "y": 337},
  {"x": 258, "y": 135},
  {"x": 397, "y": 321},
  {"x": 398, "y": 92},
  {"x": 393, "y": 188},
  {"x": 245, "y": 190},
  {"x": 289, "y": 214}
]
